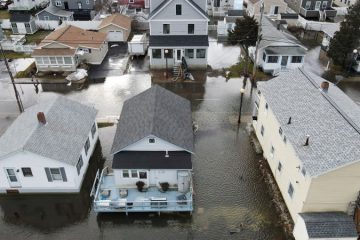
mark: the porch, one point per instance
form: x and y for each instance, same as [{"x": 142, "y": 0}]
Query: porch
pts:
[{"x": 111, "y": 198}]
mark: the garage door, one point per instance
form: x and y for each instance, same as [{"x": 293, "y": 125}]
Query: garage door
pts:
[{"x": 115, "y": 36}]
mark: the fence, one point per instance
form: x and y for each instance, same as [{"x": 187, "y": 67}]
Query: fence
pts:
[{"x": 314, "y": 26}]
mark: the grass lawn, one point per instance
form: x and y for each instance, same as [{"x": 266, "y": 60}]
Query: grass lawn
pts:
[
  {"x": 237, "y": 70},
  {"x": 36, "y": 37},
  {"x": 4, "y": 14},
  {"x": 14, "y": 55}
]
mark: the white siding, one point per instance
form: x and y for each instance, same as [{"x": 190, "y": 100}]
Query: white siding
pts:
[
  {"x": 159, "y": 145},
  {"x": 179, "y": 27},
  {"x": 300, "y": 232},
  {"x": 188, "y": 11}
]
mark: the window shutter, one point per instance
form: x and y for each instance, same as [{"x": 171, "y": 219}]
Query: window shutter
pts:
[
  {"x": 63, "y": 174},
  {"x": 47, "y": 170}
]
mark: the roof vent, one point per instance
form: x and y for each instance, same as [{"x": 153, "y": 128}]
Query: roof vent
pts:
[
  {"x": 324, "y": 86},
  {"x": 41, "y": 117},
  {"x": 289, "y": 121},
  {"x": 307, "y": 140}
]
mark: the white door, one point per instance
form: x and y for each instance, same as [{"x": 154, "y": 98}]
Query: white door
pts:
[
  {"x": 317, "y": 5},
  {"x": 12, "y": 177},
  {"x": 115, "y": 36},
  {"x": 178, "y": 55},
  {"x": 183, "y": 181}
]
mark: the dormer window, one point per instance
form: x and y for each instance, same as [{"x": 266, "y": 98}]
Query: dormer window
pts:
[
  {"x": 151, "y": 140},
  {"x": 178, "y": 9}
]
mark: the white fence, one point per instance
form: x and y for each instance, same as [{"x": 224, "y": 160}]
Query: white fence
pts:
[{"x": 314, "y": 26}]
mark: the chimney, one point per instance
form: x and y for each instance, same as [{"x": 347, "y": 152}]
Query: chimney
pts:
[
  {"x": 324, "y": 86},
  {"x": 41, "y": 117},
  {"x": 289, "y": 122},
  {"x": 307, "y": 140}
]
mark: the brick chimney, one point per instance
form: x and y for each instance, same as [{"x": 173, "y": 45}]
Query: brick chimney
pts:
[
  {"x": 324, "y": 86},
  {"x": 41, "y": 117}
]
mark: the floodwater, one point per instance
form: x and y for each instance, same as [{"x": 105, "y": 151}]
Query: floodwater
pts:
[{"x": 231, "y": 200}]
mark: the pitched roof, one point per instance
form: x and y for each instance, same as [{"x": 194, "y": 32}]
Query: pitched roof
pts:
[
  {"x": 56, "y": 11},
  {"x": 331, "y": 119},
  {"x": 62, "y": 138},
  {"x": 179, "y": 40},
  {"x": 329, "y": 225},
  {"x": 20, "y": 17},
  {"x": 272, "y": 36},
  {"x": 157, "y": 112},
  {"x": 152, "y": 160},
  {"x": 75, "y": 37},
  {"x": 118, "y": 20}
]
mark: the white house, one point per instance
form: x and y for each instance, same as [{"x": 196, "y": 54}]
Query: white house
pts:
[
  {"x": 220, "y": 8},
  {"x": 309, "y": 131},
  {"x": 117, "y": 27},
  {"x": 325, "y": 225},
  {"x": 178, "y": 30},
  {"x": 65, "y": 48},
  {"x": 27, "y": 5},
  {"x": 48, "y": 147},
  {"x": 271, "y": 7},
  {"x": 228, "y": 23},
  {"x": 22, "y": 23},
  {"x": 153, "y": 144},
  {"x": 278, "y": 50}
]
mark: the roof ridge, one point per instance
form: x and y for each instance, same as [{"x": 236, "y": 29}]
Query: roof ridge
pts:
[
  {"x": 332, "y": 103},
  {"x": 156, "y": 89}
]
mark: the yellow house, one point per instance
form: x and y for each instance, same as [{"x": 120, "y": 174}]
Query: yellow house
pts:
[{"x": 310, "y": 134}]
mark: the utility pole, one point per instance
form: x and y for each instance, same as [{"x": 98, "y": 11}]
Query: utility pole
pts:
[
  {"x": 257, "y": 42},
  {"x": 17, "y": 95}
]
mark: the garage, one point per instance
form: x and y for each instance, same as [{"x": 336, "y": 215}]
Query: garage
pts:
[{"x": 115, "y": 36}]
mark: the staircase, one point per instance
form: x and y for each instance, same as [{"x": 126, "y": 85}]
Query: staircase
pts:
[{"x": 176, "y": 71}]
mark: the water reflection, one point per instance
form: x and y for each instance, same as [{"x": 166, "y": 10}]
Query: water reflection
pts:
[{"x": 51, "y": 211}]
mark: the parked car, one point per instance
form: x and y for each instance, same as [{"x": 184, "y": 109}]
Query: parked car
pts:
[{"x": 4, "y": 4}]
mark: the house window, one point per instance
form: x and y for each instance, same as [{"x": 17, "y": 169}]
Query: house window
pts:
[
  {"x": 134, "y": 174},
  {"x": 264, "y": 57},
  {"x": 324, "y": 4},
  {"x": 178, "y": 9},
  {"x": 56, "y": 174},
  {"x": 273, "y": 59},
  {"x": 79, "y": 164},
  {"x": 262, "y": 130},
  {"x": 191, "y": 28},
  {"x": 200, "y": 53},
  {"x": 27, "y": 172},
  {"x": 79, "y": 5},
  {"x": 296, "y": 59},
  {"x": 87, "y": 146},
  {"x": 46, "y": 60},
  {"x": 52, "y": 60},
  {"x": 308, "y": 5},
  {"x": 125, "y": 173},
  {"x": 151, "y": 140},
  {"x": 280, "y": 131},
  {"x": 60, "y": 60},
  {"x": 279, "y": 167},
  {"x": 169, "y": 53},
  {"x": 303, "y": 171},
  {"x": 27, "y": 25},
  {"x": 93, "y": 130},
  {"x": 291, "y": 190},
  {"x": 131, "y": 1},
  {"x": 143, "y": 175},
  {"x": 272, "y": 151},
  {"x": 46, "y": 18},
  {"x": 166, "y": 28},
  {"x": 156, "y": 53},
  {"x": 39, "y": 60},
  {"x": 266, "y": 108},
  {"x": 189, "y": 53},
  {"x": 58, "y": 3},
  {"x": 67, "y": 60}
]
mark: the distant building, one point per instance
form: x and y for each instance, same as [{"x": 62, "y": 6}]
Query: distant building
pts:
[
  {"x": 48, "y": 147},
  {"x": 271, "y": 7},
  {"x": 22, "y": 23},
  {"x": 52, "y": 13},
  {"x": 345, "y": 3},
  {"x": 278, "y": 50},
  {"x": 82, "y": 9},
  {"x": 313, "y": 9},
  {"x": 179, "y": 28},
  {"x": 309, "y": 131},
  {"x": 65, "y": 48},
  {"x": 220, "y": 8},
  {"x": 27, "y": 5},
  {"x": 117, "y": 27}
]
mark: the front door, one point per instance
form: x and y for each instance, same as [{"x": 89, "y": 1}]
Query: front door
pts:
[
  {"x": 12, "y": 178},
  {"x": 276, "y": 10},
  {"x": 178, "y": 55},
  {"x": 66, "y": 5},
  {"x": 284, "y": 61},
  {"x": 317, "y": 5}
]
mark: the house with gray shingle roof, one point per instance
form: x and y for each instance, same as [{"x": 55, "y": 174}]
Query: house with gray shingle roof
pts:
[
  {"x": 48, "y": 147},
  {"x": 178, "y": 31},
  {"x": 309, "y": 131},
  {"x": 278, "y": 50},
  {"x": 325, "y": 225},
  {"x": 153, "y": 145}
]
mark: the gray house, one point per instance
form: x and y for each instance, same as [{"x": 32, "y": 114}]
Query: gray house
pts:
[
  {"x": 83, "y": 9},
  {"x": 313, "y": 9},
  {"x": 23, "y": 23},
  {"x": 178, "y": 31},
  {"x": 54, "y": 13}
]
